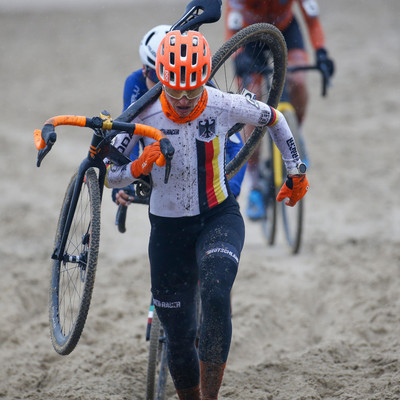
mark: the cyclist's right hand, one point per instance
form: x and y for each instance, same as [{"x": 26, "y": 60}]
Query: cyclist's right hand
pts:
[
  {"x": 295, "y": 188},
  {"x": 144, "y": 164}
]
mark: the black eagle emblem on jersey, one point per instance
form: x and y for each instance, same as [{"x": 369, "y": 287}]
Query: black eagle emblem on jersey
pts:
[{"x": 207, "y": 128}]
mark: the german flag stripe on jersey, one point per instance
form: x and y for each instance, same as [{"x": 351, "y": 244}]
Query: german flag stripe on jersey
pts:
[
  {"x": 274, "y": 117},
  {"x": 212, "y": 183}
]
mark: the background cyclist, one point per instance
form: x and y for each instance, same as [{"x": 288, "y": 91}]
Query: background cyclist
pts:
[
  {"x": 138, "y": 83},
  {"x": 241, "y": 13},
  {"x": 197, "y": 231}
]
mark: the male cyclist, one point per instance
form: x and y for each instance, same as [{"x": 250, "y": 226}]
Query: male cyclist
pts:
[
  {"x": 142, "y": 80},
  {"x": 241, "y": 13},
  {"x": 197, "y": 230}
]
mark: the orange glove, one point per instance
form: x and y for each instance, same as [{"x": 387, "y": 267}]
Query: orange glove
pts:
[
  {"x": 294, "y": 188},
  {"x": 144, "y": 164}
]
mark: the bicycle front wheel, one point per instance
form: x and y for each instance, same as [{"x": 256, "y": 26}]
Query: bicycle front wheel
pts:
[
  {"x": 73, "y": 275},
  {"x": 260, "y": 42},
  {"x": 292, "y": 216},
  {"x": 157, "y": 366}
]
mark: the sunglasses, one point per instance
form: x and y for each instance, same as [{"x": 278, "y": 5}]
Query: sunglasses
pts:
[
  {"x": 152, "y": 75},
  {"x": 178, "y": 94}
]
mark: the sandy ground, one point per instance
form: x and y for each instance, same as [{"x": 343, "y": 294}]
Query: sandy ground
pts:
[{"x": 320, "y": 325}]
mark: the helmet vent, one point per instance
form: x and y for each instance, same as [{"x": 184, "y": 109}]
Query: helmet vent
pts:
[
  {"x": 149, "y": 38},
  {"x": 172, "y": 58},
  {"x": 194, "y": 59},
  {"x": 172, "y": 78},
  {"x": 195, "y": 41},
  {"x": 193, "y": 78},
  {"x": 204, "y": 71},
  {"x": 183, "y": 76},
  {"x": 183, "y": 50},
  {"x": 172, "y": 40}
]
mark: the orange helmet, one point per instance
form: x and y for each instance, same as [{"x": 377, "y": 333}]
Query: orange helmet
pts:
[{"x": 183, "y": 60}]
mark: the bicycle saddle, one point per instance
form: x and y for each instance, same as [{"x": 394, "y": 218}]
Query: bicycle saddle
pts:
[{"x": 199, "y": 12}]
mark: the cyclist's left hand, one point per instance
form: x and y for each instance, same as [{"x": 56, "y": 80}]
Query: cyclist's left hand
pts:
[
  {"x": 129, "y": 190},
  {"x": 324, "y": 62},
  {"x": 125, "y": 196},
  {"x": 124, "y": 199},
  {"x": 294, "y": 189}
]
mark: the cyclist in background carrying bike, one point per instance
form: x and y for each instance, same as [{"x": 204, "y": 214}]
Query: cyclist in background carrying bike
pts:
[
  {"x": 197, "y": 231},
  {"x": 241, "y": 13},
  {"x": 142, "y": 80}
]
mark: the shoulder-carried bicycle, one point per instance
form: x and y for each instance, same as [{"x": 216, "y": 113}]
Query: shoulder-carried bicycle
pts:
[{"x": 77, "y": 238}]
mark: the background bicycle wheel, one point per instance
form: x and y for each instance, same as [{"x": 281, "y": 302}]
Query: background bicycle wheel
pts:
[{"x": 320, "y": 325}]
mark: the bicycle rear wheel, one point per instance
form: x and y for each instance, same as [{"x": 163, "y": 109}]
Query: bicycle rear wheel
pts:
[
  {"x": 157, "y": 366},
  {"x": 263, "y": 39},
  {"x": 292, "y": 216},
  {"x": 72, "y": 278},
  {"x": 269, "y": 190}
]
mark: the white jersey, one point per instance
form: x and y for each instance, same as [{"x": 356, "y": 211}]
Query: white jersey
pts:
[{"x": 198, "y": 181}]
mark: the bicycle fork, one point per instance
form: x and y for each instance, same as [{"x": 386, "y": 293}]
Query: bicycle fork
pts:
[{"x": 58, "y": 253}]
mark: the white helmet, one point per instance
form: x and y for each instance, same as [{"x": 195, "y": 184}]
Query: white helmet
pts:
[{"x": 149, "y": 44}]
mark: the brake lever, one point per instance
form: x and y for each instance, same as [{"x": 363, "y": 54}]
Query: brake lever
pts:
[
  {"x": 42, "y": 154},
  {"x": 49, "y": 138},
  {"x": 168, "y": 152},
  {"x": 325, "y": 81},
  {"x": 167, "y": 169}
]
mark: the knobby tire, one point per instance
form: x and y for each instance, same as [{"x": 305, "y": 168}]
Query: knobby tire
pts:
[
  {"x": 222, "y": 77},
  {"x": 72, "y": 282}
]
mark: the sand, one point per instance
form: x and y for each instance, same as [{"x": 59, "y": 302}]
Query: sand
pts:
[{"x": 320, "y": 325}]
